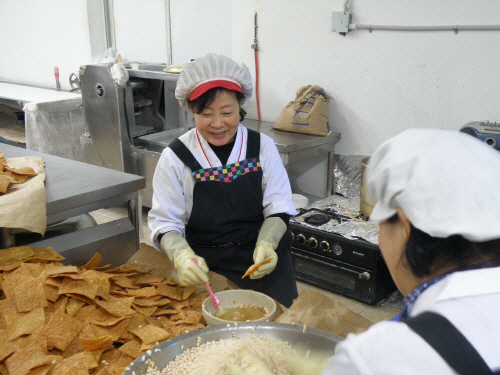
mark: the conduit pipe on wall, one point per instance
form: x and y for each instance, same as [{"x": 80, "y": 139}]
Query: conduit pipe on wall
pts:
[
  {"x": 168, "y": 32},
  {"x": 455, "y": 28},
  {"x": 255, "y": 47}
]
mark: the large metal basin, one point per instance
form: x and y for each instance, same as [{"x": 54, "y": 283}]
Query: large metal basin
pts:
[{"x": 308, "y": 338}]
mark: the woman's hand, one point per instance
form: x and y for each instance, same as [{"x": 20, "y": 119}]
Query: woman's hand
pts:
[
  {"x": 273, "y": 228},
  {"x": 299, "y": 365},
  {"x": 248, "y": 364},
  {"x": 179, "y": 251},
  {"x": 188, "y": 272},
  {"x": 264, "y": 250}
]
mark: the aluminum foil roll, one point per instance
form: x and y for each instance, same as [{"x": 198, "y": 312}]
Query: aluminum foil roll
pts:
[{"x": 347, "y": 172}]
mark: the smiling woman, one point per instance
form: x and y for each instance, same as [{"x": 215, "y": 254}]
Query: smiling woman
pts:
[
  {"x": 217, "y": 115},
  {"x": 221, "y": 192}
]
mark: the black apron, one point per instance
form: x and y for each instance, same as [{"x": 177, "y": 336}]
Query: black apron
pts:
[
  {"x": 226, "y": 218},
  {"x": 449, "y": 342}
]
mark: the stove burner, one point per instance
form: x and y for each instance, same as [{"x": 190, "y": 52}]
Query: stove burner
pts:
[{"x": 317, "y": 219}]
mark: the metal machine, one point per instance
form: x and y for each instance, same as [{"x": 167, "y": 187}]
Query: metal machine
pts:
[
  {"x": 486, "y": 131},
  {"x": 130, "y": 123}
]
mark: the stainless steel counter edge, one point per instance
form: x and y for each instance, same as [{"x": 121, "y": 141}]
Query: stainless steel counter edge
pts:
[
  {"x": 287, "y": 142},
  {"x": 161, "y": 75}
]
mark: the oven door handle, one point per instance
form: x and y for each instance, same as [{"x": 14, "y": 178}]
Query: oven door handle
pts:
[
  {"x": 360, "y": 275},
  {"x": 364, "y": 275}
]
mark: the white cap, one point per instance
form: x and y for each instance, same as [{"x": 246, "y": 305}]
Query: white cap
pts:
[
  {"x": 445, "y": 181},
  {"x": 211, "y": 71}
]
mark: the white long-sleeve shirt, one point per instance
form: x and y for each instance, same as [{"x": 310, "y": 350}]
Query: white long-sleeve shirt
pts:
[
  {"x": 470, "y": 300},
  {"x": 173, "y": 182}
]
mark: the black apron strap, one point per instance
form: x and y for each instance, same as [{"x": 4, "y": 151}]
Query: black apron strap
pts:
[
  {"x": 184, "y": 154},
  {"x": 449, "y": 342},
  {"x": 253, "y": 144}
]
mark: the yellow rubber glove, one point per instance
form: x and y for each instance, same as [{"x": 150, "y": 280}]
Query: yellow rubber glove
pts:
[
  {"x": 299, "y": 365},
  {"x": 269, "y": 237},
  {"x": 179, "y": 251},
  {"x": 248, "y": 364}
]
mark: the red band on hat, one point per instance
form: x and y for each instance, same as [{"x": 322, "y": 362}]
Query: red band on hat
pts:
[{"x": 203, "y": 88}]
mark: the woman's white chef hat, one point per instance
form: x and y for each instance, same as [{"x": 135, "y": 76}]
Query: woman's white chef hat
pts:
[
  {"x": 445, "y": 181},
  {"x": 205, "y": 73}
]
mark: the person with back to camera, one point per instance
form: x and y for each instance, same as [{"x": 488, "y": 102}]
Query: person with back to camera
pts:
[
  {"x": 220, "y": 191},
  {"x": 438, "y": 204}
]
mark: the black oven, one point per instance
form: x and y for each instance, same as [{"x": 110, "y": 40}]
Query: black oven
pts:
[{"x": 350, "y": 267}]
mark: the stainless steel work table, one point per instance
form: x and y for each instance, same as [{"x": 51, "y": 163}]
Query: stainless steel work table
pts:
[
  {"x": 17, "y": 95},
  {"x": 295, "y": 146},
  {"x": 74, "y": 188}
]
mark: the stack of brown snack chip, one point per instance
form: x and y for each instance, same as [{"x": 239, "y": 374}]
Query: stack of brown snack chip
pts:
[
  {"x": 57, "y": 319},
  {"x": 12, "y": 176}
]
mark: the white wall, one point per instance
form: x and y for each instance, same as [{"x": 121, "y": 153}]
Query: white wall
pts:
[
  {"x": 37, "y": 35},
  {"x": 199, "y": 27},
  {"x": 381, "y": 82},
  {"x": 141, "y": 30}
]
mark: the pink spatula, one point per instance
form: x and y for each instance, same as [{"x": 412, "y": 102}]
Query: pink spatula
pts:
[{"x": 213, "y": 298}]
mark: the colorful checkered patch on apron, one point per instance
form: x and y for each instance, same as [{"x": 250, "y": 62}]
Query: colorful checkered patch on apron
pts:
[{"x": 228, "y": 173}]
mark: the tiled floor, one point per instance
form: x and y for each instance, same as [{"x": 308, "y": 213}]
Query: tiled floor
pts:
[{"x": 385, "y": 310}]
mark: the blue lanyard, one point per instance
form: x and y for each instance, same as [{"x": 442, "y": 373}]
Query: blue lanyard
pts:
[{"x": 412, "y": 297}]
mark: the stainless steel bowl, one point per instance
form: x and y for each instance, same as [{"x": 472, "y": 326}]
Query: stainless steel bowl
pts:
[{"x": 163, "y": 353}]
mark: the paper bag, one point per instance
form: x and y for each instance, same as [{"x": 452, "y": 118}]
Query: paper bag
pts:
[
  {"x": 24, "y": 205},
  {"x": 307, "y": 114}
]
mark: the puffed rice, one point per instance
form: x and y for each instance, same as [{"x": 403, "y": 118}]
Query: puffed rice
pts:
[{"x": 199, "y": 360}]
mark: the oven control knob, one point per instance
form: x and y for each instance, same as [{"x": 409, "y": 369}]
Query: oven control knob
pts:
[
  {"x": 313, "y": 243},
  {"x": 364, "y": 276},
  {"x": 337, "y": 249},
  {"x": 293, "y": 236},
  {"x": 301, "y": 239},
  {"x": 325, "y": 246}
]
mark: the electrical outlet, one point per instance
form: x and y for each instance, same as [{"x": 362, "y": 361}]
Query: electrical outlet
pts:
[{"x": 341, "y": 21}]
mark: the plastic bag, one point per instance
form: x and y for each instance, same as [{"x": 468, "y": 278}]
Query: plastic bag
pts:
[{"x": 119, "y": 74}]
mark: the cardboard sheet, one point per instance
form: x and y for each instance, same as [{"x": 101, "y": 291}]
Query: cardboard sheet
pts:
[
  {"x": 316, "y": 310},
  {"x": 24, "y": 205}
]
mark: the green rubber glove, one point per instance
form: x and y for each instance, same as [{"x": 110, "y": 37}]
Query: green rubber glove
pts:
[
  {"x": 179, "y": 251},
  {"x": 269, "y": 237}
]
